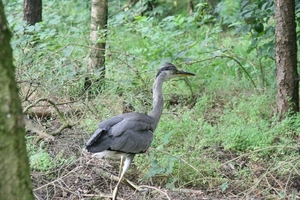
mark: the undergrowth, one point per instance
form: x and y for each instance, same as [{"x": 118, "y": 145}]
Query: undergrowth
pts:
[{"x": 40, "y": 159}]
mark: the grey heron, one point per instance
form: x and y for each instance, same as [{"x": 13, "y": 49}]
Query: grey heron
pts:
[{"x": 132, "y": 133}]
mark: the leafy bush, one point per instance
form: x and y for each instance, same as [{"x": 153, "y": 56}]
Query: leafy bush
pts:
[
  {"x": 228, "y": 11},
  {"x": 41, "y": 161}
]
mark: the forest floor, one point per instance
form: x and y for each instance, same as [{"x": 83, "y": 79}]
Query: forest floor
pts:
[
  {"x": 93, "y": 178},
  {"x": 79, "y": 175},
  {"x": 88, "y": 177}
]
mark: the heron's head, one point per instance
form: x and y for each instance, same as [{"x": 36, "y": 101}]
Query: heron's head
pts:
[{"x": 169, "y": 71}]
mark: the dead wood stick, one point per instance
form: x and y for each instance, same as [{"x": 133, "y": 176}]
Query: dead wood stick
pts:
[
  {"x": 65, "y": 123},
  {"x": 41, "y": 134}
]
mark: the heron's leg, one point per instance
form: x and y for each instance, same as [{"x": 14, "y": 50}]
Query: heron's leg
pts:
[
  {"x": 126, "y": 165},
  {"x": 121, "y": 165}
]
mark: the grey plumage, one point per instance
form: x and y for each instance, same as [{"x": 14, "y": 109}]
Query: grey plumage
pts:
[
  {"x": 132, "y": 133},
  {"x": 121, "y": 132}
]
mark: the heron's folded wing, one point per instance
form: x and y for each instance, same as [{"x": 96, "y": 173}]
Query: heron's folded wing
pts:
[
  {"x": 100, "y": 141},
  {"x": 97, "y": 134},
  {"x": 132, "y": 142},
  {"x": 136, "y": 122},
  {"x": 133, "y": 134}
]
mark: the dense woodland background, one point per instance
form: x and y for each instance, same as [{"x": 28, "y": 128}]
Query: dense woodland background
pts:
[{"x": 220, "y": 135}]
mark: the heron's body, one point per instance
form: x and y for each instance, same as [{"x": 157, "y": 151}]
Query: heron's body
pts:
[
  {"x": 121, "y": 132},
  {"x": 132, "y": 133}
]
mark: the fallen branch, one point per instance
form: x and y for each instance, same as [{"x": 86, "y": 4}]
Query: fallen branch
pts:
[
  {"x": 41, "y": 134},
  {"x": 101, "y": 195},
  {"x": 65, "y": 123},
  {"x": 186, "y": 191}
]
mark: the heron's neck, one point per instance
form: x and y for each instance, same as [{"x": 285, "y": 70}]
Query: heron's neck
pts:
[{"x": 158, "y": 101}]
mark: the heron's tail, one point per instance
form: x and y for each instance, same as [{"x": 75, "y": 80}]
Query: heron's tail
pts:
[{"x": 98, "y": 142}]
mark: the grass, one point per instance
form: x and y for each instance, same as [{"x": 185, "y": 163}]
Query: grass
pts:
[
  {"x": 217, "y": 116},
  {"x": 41, "y": 159}
]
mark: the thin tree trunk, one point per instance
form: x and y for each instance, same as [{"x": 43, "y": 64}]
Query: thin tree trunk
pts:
[
  {"x": 15, "y": 182},
  {"x": 286, "y": 57},
  {"x": 190, "y": 6},
  {"x": 96, "y": 61},
  {"x": 32, "y": 11}
]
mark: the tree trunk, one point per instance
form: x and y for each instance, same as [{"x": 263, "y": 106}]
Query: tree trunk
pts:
[
  {"x": 96, "y": 61},
  {"x": 15, "y": 180},
  {"x": 286, "y": 57},
  {"x": 32, "y": 11},
  {"x": 213, "y": 3},
  {"x": 190, "y": 7}
]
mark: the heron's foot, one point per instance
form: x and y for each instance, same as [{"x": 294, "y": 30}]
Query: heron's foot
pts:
[
  {"x": 115, "y": 193},
  {"x": 130, "y": 184},
  {"x": 134, "y": 186}
]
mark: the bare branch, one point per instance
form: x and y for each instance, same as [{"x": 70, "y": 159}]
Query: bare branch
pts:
[{"x": 61, "y": 116}]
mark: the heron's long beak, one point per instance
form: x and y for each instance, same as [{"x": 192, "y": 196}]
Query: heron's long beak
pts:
[{"x": 183, "y": 73}]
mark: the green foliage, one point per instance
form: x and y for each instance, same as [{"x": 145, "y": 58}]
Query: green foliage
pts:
[
  {"x": 203, "y": 14},
  {"x": 258, "y": 21},
  {"x": 227, "y": 11},
  {"x": 41, "y": 160},
  {"x": 247, "y": 129},
  {"x": 50, "y": 53}
]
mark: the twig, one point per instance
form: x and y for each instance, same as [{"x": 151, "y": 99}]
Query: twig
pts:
[
  {"x": 186, "y": 80},
  {"x": 268, "y": 171},
  {"x": 258, "y": 150},
  {"x": 101, "y": 195},
  {"x": 241, "y": 66},
  {"x": 230, "y": 57},
  {"x": 63, "y": 120},
  {"x": 186, "y": 191},
  {"x": 65, "y": 188},
  {"x": 41, "y": 134},
  {"x": 57, "y": 180},
  {"x": 124, "y": 7},
  {"x": 154, "y": 188},
  {"x": 179, "y": 158},
  {"x": 137, "y": 73}
]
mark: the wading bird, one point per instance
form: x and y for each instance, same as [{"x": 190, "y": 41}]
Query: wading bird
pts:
[{"x": 132, "y": 133}]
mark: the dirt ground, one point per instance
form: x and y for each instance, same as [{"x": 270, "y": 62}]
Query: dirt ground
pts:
[{"x": 92, "y": 178}]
